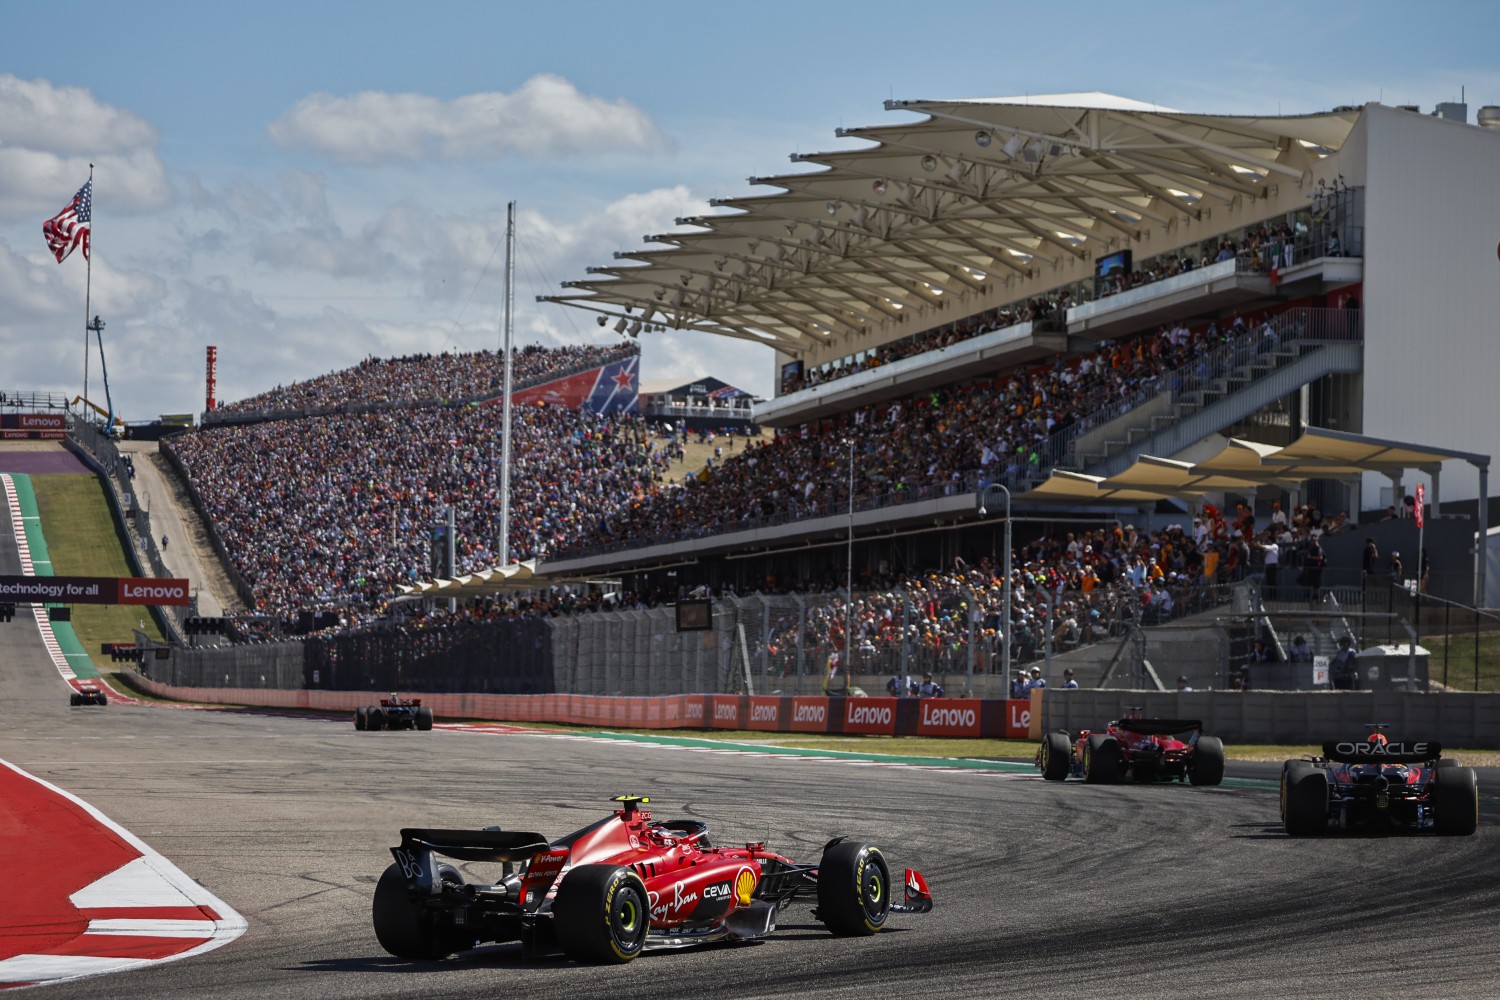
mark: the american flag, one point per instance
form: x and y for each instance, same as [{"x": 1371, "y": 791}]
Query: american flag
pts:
[{"x": 69, "y": 229}]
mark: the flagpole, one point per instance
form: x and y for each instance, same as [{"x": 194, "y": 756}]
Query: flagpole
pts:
[
  {"x": 88, "y": 288},
  {"x": 509, "y": 325}
]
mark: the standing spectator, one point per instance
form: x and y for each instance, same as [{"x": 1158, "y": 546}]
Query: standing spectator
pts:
[
  {"x": 1182, "y": 684},
  {"x": 1344, "y": 671},
  {"x": 1300, "y": 652},
  {"x": 1398, "y": 571},
  {"x": 1371, "y": 558},
  {"x": 1272, "y": 553},
  {"x": 1312, "y": 568},
  {"x": 1068, "y": 680}
]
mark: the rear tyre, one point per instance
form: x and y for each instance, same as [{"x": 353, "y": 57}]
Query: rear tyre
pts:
[
  {"x": 1446, "y": 762},
  {"x": 403, "y": 928},
  {"x": 1057, "y": 757},
  {"x": 1306, "y": 812},
  {"x": 1455, "y": 802},
  {"x": 75, "y": 699},
  {"x": 359, "y": 717},
  {"x": 424, "y": 718},
  {"x": 854, "y": 889},
  {"x": 601, "y": 914},
  {"x": 375, "y": 719},
  {"x": 1101, "y": 760},
  {"x": 1289, "y": 771},
  {"x": 1208, "y": 761}
]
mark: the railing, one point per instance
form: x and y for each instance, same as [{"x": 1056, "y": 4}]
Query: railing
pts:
[{"x": 29, "y": 400}]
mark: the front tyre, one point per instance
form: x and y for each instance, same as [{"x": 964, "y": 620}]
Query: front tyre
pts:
[
  {"x": 1057, "y": 757},
  {"x": 601, "y": 914},
  {"x": 403, "y": 928},
  {"x": 854, "y": 889},
  {"x": 1208, "y": 761}
]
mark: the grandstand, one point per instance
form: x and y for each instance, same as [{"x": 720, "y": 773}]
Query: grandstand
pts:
[{"x": 991, "y": 291}]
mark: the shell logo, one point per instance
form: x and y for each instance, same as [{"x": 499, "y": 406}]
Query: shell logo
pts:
[{"x": 744, "y": 886}]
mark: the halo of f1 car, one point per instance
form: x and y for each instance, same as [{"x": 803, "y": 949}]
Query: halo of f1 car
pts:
[
  {"x": 87, "y": 694},
  {"x": 619, "y": 886},
  {"x": 1141, "y": 749},
  {"x": 394, "y": 712},
  {"x": 1377, "y": 785}
]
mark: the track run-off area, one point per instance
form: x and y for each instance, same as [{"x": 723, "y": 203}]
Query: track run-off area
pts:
[{"x": 278, "y": 825}]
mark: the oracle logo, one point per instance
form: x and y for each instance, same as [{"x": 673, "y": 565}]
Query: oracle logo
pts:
[
  {"x": 730, "y": 712},
  {"x": 763, "y": 713},
  {"x": 869, "y": 715},
  {"x": 810, "y": 713},
  {"x": 937, "y": 715}
]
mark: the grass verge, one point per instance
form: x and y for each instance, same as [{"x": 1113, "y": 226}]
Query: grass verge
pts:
[{"x": 82, "y": 541}]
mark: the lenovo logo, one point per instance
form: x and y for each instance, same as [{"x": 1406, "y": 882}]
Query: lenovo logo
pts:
[
  {"x": 869, "y": 715},
  {"x": 730, "y": 712},
  {"x": 763, "y": 713},
  {"x": 934, "y": 714},
  {"x": 810, "y": 713}
]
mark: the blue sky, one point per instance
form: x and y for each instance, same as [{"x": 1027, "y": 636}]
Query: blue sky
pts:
[{"x": 304, "y": 185}]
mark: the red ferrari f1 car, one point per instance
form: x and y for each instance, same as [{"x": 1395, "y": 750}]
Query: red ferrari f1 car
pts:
[
  {"x": 394, "y": 712},
  {"x": 1376, "y": 785},
  {"x": 621, "y": 885},
  {"x": 1142, "y": 749}
]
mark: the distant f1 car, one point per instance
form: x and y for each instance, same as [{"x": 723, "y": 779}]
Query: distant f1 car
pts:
[
  {"x": 394, "y": 712},
  {"x": 1142, "y": 749},
  {"x": 88, "y": 694},
  {"x": 1378, "y": 785},
  {"x": 619, "y": 886}
]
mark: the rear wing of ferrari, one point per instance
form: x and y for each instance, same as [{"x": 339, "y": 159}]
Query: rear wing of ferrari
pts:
[
  {"x": 1374, "y": 752},
  {"x": 475, "y": 845},
  {"x": 1159, "y": 727}
]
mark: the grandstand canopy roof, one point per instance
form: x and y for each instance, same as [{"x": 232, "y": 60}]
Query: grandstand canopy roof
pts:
[
  {"x": 967, "y": 193},
  {"x": 514, "y": 578},
  {"x": 1239, "y": 465}
]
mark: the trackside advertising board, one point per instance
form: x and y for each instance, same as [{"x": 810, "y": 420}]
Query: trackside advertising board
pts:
[
  {"x": 92, "y": 590},
  {"x": 949, "y": 717}
]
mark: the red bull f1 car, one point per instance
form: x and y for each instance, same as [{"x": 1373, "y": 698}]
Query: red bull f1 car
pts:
[
  {"x": 88, "y": 694},
  {"x": 624, "y": 884},
  {"x": 1377, "y": 785},
  {"x": 394, "y": 712},
  {"x": 1139, "y": 749}
]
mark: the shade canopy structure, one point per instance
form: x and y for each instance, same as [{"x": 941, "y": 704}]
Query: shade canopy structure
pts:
[
  {"x": 1174, "y": 478},
  {"x": 964, "y": 194},
  {"x": 514, "y": 578}
]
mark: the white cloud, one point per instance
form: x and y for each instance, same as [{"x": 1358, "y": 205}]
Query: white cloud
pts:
[
  {"x": 50, "y": 135},
  {"x": 545, "y": 117}
]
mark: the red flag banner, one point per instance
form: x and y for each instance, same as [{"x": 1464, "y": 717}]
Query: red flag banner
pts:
[
  {"x": 69, "y": 229},
  {"x": 1421, "y": 501}
]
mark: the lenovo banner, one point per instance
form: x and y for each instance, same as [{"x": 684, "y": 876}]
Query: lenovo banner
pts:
[
  {"x": 92, "y": 590},
  {"x": 949, "y": 717}
]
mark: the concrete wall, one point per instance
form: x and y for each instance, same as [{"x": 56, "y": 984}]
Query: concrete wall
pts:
[{"x": 1456, "y": 720}]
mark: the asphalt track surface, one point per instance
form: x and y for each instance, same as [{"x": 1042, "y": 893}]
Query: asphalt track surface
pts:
[{"x": 1041, "y": 890}]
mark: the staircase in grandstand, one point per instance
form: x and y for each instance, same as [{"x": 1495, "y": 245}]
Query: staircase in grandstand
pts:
[{"x": 1226, "y": 386}]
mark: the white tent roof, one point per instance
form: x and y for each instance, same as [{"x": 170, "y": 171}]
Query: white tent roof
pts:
[{"x": 968, "y": 192}]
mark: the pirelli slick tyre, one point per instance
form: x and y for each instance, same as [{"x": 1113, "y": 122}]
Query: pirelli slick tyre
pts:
[
  {"x": 1288, "y": 770},
  {"x": 1208, "y": 761},
  {"x": 1057, "y": 757},
  {"x": 424, "y": 718},
  {"x": 1306, "y": 810},
  {"x": 1101, "y": 760},
  {"x": 1455, "y": 802},
  {"x": 359, "y": 717},
  {"x": 601, "y": 914},
  {"x": 403, "y": 928},
  {"x": 1446, "y": 762},
  {"x": 75, "y": 699},
  {"x": 375, "y": 719},
  {"x": 854, "y": 889}
]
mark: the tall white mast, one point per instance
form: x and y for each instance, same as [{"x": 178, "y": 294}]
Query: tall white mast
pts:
[{"x": 507, "y": 327}]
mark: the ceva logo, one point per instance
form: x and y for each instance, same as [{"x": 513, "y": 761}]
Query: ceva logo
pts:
[
  {"x": 934, "y": 714},
  {"x": 810, "y": 713},
  {"x": 869, "y": 715},
  {"x": 763, "y": 713}
]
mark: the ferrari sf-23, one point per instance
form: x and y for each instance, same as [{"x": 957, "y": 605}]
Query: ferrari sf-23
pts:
[
  {"x": 394, "y": 712},
  {"x": 1142, "y": 749},
  {"x": 622, "y": 885},
  {"x": 1376, "y": 785}
]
